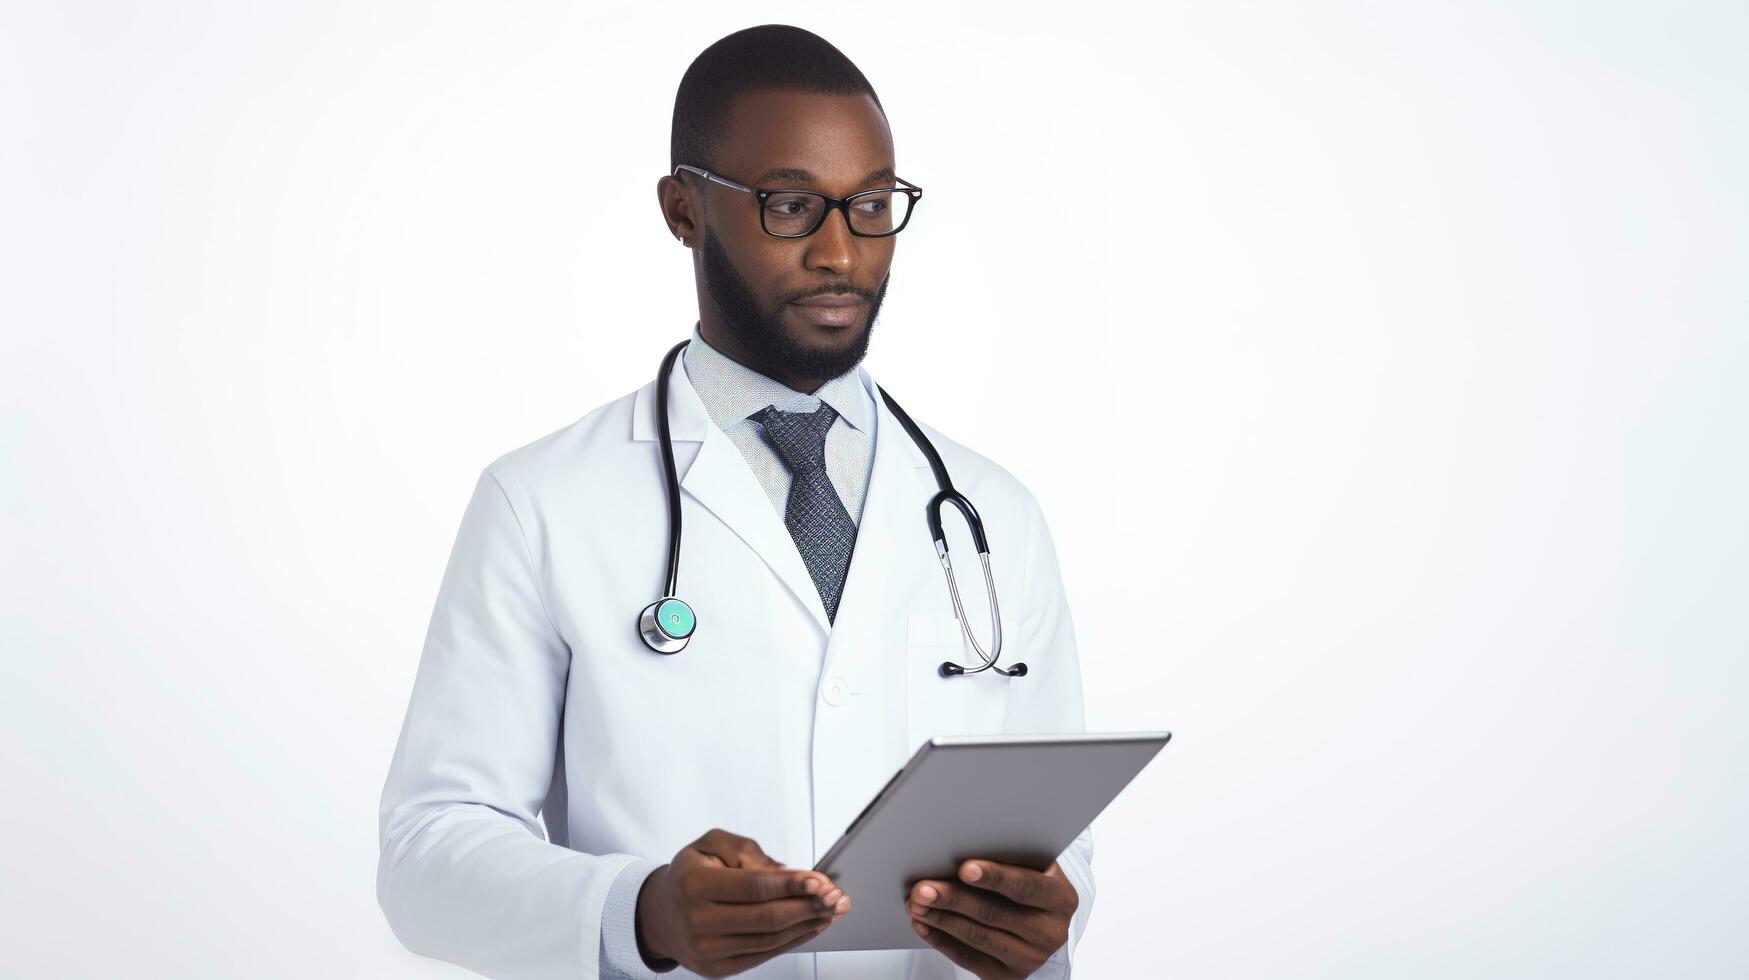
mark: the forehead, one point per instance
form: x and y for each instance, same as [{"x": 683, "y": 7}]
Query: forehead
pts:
[{"x": 838, "y": 139}]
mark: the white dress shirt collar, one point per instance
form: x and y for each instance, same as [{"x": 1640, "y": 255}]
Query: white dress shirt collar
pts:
[{"x": 731, "y": 391}]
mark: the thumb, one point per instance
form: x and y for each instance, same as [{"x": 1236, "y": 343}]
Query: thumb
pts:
[
  {"x": 753, "y": 857},
  {"x": 735, "y": 850}
]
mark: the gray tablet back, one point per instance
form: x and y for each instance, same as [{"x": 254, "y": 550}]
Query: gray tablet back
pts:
[{"x": 1017, "y": 799}]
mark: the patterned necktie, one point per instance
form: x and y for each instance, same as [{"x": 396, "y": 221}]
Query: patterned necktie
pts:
[{"x": 816, "y": 518}]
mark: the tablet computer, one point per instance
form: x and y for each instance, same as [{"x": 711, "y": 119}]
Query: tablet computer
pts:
[{"x": 1016, "y": 799}]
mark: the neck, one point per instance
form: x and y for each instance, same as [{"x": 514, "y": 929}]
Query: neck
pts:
[{"x": 725, "y": 344}]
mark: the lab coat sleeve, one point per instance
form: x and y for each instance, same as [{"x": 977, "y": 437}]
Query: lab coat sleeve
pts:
[
  {"x": 465, "y": 873},
  {"x": 620, "y": 957},
  {"x": 1048, "y": 699}
]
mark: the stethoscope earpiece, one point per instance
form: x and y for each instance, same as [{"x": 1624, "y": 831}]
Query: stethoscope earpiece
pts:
[{"x": 950, "y": 669}]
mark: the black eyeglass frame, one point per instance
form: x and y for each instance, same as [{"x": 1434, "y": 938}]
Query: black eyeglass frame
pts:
[{"x": 841, "y": 204}]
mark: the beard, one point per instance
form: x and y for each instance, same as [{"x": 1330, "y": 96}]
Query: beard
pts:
[{"x": 760, "y": 331}]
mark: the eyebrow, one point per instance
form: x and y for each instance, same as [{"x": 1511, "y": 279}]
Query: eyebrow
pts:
[{"x": 796, "y": 175}]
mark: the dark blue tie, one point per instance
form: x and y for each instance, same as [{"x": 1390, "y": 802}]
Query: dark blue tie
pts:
[{"x": 816, "y": 518}]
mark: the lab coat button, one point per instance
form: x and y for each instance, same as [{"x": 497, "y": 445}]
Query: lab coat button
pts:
[{"x": 835, "y": 691}]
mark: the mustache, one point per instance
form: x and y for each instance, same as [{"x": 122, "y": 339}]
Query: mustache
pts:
[{"x": 833, "y": 290}]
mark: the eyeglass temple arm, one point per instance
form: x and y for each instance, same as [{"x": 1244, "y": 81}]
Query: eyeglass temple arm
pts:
[{"x": 707, "y": 175}]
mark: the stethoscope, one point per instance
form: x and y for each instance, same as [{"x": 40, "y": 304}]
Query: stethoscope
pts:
[{"x": 668, "y": 623}]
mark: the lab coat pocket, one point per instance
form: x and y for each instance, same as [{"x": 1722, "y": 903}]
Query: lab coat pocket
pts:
[{"x": 971, "y": 704}]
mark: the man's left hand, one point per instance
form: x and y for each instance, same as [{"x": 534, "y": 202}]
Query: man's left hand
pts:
[{"x": 1000, "y": 921}]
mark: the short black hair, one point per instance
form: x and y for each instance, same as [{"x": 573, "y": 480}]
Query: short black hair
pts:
[{"x": 770, "y": 56}]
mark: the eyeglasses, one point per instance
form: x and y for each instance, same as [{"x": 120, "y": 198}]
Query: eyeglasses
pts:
[{"x": 877, "y": 213}]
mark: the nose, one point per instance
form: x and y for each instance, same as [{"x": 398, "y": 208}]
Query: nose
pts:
[{"x": 832, "y": 247}]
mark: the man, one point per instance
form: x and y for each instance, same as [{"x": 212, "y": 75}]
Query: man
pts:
[{"x": 821, "y": 612}]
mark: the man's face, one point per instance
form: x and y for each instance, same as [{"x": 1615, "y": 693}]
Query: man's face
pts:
[{"x": 752, "y": 285}]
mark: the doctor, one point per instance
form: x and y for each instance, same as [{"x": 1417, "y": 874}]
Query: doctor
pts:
[{"x": 684, "y": 795}]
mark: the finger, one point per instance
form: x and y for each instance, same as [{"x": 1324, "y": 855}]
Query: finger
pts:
[
  {"x": 1023, "y": 885},
  {"x": 1003, "y": 947},
  {"x": 747, "y": 961},
  {"x": 988, "y": 908},
  {"x": 837, "y": 903},
  {"x": 718, "y": 947},
  {"x": 734, "y": 885},
  {"x": 755, "y": 918},
  {"x": 959, "y": 953}
]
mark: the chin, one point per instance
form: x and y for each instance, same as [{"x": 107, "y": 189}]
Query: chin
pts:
[
  {"x": 822, "y": 350},
  {"x": 826, "y": 336}
]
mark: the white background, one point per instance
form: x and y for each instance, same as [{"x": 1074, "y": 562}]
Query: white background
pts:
[{"x": 1381, "y": 370}]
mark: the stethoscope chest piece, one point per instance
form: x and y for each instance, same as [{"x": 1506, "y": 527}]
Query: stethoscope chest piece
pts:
[{"x": 667, "y": 624}]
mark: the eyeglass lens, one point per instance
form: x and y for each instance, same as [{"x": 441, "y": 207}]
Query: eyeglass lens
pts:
[{"x": 797, "y": 213}]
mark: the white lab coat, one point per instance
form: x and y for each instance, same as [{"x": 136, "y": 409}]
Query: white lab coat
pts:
[{"x": 535, "y": 696}]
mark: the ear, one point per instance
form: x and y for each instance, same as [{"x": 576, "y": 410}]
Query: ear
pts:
[{"x": 678, "y": 209}]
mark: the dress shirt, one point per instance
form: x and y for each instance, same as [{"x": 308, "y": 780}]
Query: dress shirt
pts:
[{"x": 731, "y": 391}]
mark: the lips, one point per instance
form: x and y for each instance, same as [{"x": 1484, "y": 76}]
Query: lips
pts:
[
  {"x": 834, "y": 311},
  {"x": 845, "y": 299}
]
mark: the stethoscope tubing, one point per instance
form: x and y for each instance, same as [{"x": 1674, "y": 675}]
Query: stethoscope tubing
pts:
[{"x": 669, "y": 475}]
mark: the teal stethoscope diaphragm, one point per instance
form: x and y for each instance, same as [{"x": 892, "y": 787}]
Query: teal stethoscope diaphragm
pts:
[{"x": 667, "y": 624}]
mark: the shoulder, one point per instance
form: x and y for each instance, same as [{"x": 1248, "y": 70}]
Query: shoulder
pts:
[{"x": 558, "y": 460}]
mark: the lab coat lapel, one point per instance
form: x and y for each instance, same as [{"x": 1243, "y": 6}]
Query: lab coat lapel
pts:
[{"x": 720, "y": 479}]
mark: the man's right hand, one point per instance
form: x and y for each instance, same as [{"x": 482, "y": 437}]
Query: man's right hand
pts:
[{"x": 722, "y": 906}]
